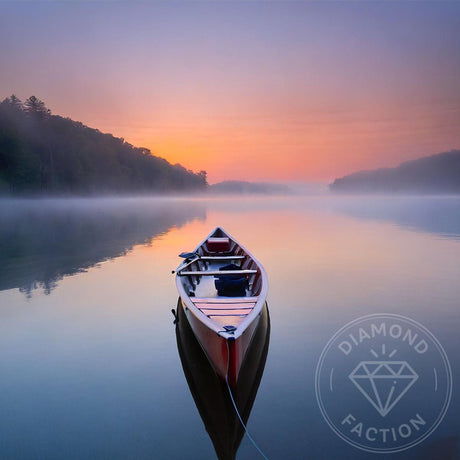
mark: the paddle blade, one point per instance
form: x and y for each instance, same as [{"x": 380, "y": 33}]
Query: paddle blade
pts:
[{"x": 188, "y": 255}]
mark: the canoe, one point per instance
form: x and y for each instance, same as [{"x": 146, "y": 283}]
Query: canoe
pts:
[
  {"x": 223, "y": 289},
  {"x": 210, "y": 392}
]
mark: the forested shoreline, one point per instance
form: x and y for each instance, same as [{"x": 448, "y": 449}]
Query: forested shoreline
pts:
[
  {"x": 433, "y": 174},
  {"x": 46, "y": 154}
]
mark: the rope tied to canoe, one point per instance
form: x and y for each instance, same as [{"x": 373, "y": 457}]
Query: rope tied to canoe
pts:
[{"x": 236, "y": 408}]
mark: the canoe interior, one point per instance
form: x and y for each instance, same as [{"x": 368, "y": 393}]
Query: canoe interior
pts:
[{"x": 216, "y": 251}]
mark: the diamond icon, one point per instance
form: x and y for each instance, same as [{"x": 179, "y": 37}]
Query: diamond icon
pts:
[{"x": 383, "y": 383}]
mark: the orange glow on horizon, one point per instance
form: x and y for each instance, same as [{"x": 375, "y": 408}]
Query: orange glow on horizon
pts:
[{"x": 303, "y": 148}]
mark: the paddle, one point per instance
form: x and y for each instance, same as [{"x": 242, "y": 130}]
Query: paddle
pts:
[{"x": 189, "y": 257}]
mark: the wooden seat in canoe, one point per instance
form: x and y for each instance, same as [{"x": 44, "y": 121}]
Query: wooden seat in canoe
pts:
[
  {"x": 214, "y": 307},
  {"x": 223, "y": 300}
]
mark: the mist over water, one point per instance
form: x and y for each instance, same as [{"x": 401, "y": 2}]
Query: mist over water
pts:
[
  {"x": 41, "y": 241},
  {"x": 88, "y": 355}
]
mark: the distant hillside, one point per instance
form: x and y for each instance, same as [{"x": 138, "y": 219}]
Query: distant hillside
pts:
[
  {"x": 41, "y": 153},
  {"x": 437, "y": 174},
  {"x": 242, "y": 187}
]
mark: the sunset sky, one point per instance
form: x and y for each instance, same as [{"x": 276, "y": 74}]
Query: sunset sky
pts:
[{"x": 266, "y": 91}]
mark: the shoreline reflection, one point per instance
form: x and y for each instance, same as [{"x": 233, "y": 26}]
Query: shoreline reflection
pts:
[{"x": 42, "y": 241}]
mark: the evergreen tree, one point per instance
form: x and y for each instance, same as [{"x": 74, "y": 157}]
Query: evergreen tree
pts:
[
  {"x": 35, "y": 107},
  {"x": 14, "y": 102}
]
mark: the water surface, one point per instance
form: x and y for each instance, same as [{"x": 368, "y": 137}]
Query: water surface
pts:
[{"x": 88, "y": 357}]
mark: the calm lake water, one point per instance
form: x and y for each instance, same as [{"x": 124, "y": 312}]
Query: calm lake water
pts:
[{"x": 88, "y": 356}]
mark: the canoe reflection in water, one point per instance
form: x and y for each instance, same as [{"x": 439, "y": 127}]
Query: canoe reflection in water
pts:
[{"x": 210, "y": 391}]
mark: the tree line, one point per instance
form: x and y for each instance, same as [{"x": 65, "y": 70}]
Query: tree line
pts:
[
  {"x": 49, "y": 154},
  {"x": 433, "y": 174}
]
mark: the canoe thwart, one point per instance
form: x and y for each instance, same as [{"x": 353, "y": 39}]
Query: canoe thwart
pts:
[
  {"x": 221, "y": 257},
  {"x": 216, "y": 272}
]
